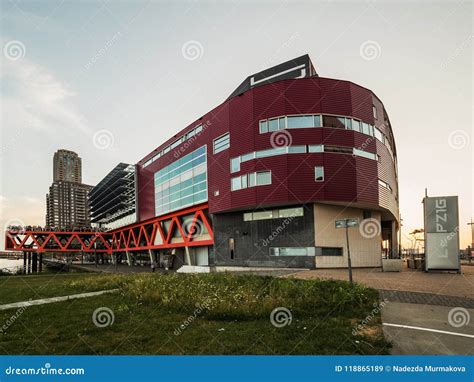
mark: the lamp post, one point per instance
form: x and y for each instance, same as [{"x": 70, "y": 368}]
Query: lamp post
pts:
[{"x": 346, "y": 223}]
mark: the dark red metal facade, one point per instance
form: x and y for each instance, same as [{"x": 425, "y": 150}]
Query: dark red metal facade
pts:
[{"x": 347, "y": 178}]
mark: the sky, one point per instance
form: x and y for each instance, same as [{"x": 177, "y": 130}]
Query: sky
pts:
[{"x": 112, "y": 80}]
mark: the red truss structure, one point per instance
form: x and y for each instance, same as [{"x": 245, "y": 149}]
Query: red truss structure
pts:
[{"x": 185, "y": 228}]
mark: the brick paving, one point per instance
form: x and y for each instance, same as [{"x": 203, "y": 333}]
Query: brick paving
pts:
[
  {"x": 426, "y": 298},
  {"x": 439, "y": 283}
]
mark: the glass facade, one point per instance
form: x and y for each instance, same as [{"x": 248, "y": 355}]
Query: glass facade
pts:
[{"x": 183, "y": 183}]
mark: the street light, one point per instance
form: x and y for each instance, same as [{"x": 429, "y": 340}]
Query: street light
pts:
[{"x": 346, "y": 223}]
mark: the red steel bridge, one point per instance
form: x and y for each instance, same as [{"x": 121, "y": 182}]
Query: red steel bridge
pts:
[{"x": 189, "y": 227}]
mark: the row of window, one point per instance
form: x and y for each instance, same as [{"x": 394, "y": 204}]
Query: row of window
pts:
[
  {"x": 235, "y": 162},
  {"x": 194, "y": 132},
  {"x": 222, "y": 143},
  {"x": 253, "y": 179},
  {"x": 274, "y": 214},
  {"x": 182, "y": 183},
  {"x": 322, "y": 120},
  {"x": 181, "y": 165},
  {"x": 306, "y": 251}
]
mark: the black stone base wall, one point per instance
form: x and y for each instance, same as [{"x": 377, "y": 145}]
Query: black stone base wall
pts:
[{"x": 253, "y": 240}]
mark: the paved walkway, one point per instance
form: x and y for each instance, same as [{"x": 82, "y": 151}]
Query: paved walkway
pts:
[
  {"x": 447, "y": 284},
  {"x": 426, "y": 298},
  {"x": 427, "y": 329},
  {"x": 42, "y": 301}
]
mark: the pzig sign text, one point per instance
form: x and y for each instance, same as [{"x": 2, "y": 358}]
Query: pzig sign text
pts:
[{"x": 441, "y": 215}]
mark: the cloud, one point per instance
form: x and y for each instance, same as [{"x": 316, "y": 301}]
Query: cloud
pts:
[{"x": 32, "y": 97}]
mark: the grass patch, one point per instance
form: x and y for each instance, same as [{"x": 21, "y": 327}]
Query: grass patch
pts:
[
  {"x": 34, "y": 287},
  {"x": 199, "y": 314}
]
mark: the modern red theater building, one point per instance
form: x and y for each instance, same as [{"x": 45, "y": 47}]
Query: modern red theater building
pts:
[{"x": 287, "y": 154}]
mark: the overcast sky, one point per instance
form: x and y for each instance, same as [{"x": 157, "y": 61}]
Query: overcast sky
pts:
[{"x": 112, "y": 80}]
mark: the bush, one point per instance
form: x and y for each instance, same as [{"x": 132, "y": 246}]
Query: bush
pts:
[{"x": 229, "y": 296}]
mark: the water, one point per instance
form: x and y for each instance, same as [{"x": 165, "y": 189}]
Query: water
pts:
[{"x": 10, "y": 265}]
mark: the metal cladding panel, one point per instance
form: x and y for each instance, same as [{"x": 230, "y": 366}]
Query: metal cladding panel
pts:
[
  {"x": 365, "y": 142},
  {"x": 301, "y": 178},
  {"x": 269, "y": 101},
  {"x": 338, "y": 137},
  {"x": 218, "y": 164},
  {"x": 340, "y": 177},
  {"x": 367, "y": 182},
  {"x": 335, "y": 96},
  {"x": 303, "y": 97},
  {"x": 386, "y": 172},
  {"x": 242, "y": 124},
  {"x": 361, "y": 103},
  {"x": 277, "y": 192},
  {"x": 146, "y": 194}
]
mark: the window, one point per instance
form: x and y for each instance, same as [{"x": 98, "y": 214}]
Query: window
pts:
[
  {"x": 166, "y": 150},
  {"x": 263, "y": 127},
  {"x": 319, "y": 174},
  {"x": 148, "y": 162},
  {"x": 190, "y": 134},
  {"x": 176, "y": 143},
  {"x": 336, "y": 122},
  {"x": 331, "y": 251},
  {"x": 365, "y": 128},
  {"x": 355, "y": 125},
  {"x": 264, "y": 178},
  {"x": 282, "y": 123},
  {"x": 366, "y": 214},
  {"x": 273, "y": 125},
  {"x": 378, "y": 134},
  {"x": 248, "y": 216},
  {"x": 236, "y": 183},
  {"x": 337, "y": 149},
  {"x": 246, "y": 157},
  {"x": 303, "y": 121},
  {"x": 374, "y": 111},
  {"x": 365, "y": 154},
  {"x": 235, "y": 164},
  {"x": 222, "y": 143},
  {"x": 317, "y": 121},
  {"x": 262, "y": 215},
  {"x": 292, "y": 251},
  {"x": 290, "y": 212},
  {"x": 316, "y": 148},
  {"x": 296, "y": 149},
  {"x": 252, "y": 179}
]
